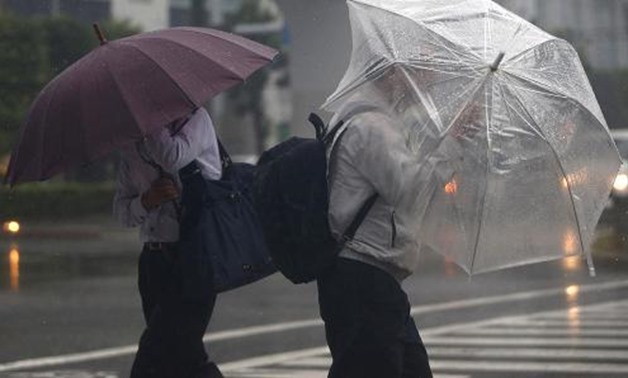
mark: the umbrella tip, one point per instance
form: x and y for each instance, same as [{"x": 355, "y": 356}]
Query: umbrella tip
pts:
[
  {"x": 99, "y": 34},
  {"x": 497, "y": 61}
]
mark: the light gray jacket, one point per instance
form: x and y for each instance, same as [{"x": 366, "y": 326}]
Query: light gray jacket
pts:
[{"x": 373, "y": 157}]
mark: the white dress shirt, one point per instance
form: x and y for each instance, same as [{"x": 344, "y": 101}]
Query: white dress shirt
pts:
[{"x": 195, "y": 141}]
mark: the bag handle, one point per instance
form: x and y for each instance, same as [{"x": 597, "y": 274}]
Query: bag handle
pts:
[{"x": 225, "y": 159}]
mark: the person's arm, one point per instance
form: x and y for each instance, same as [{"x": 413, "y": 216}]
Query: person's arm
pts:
[
  {"x": 127, "y": 202},
  {"x": 131, "y": 206},
  {"x": 173, "y": 152},
  {"x": 381, "y": 155}
]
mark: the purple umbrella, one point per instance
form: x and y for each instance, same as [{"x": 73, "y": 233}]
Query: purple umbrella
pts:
[{"x": 125, "y": 90}]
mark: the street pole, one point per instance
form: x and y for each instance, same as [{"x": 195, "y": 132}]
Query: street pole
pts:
[
  {"x": 217, "y": 20},
  {"x": 217, "y": 14},
  {"x": 55, "y": 8},
  {"x": 198, "y": 13}
]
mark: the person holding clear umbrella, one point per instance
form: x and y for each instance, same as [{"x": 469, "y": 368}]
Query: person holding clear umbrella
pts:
[
  {"x": 367, "y": 314},
  {"x": 147, "y": 196}
]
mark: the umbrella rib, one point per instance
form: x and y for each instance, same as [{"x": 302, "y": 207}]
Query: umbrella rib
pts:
[
  {"x": 191, "y": 50},
  {"x": 52, "y": 86},
  {"x": 165, "y": 73},
  {"x": 484, "y": 194},
  {"x": 238, "y": 41},
  {"x": 424, "y": 26},
  {"x": 194, "y": 51},
  {"x": 563, "y": 171},
  {"x": 53, "y": 89},
  {"x": 543, "y": 87},
  {"x": 527, "y": 50},
  {"x": 115, "y": 81},
  {"x": 479, "y": 232},
  {"x": 464, "y": 106}
]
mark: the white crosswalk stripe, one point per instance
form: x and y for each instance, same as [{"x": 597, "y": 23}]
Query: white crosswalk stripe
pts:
[
  {"x": 582, "y": 340},
  {"x": 585, "y": 340}
]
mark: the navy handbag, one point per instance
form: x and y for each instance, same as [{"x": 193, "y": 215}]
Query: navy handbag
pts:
[{"x": 221, "y": 243}]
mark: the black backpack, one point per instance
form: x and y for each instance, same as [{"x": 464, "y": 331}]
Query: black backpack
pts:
[{"x": 292, "y": 199}]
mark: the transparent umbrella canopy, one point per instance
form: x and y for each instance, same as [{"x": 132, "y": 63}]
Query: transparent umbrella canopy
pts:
[{"x": 536, "y": 177}]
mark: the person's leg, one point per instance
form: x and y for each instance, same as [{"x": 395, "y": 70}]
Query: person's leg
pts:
[
  {"x": 172, "y": 345},
  {"x": 415, "y": 359},
  {"x": 363, "y": 308},
  {"x": 188, "y": 349},
  {"x": 338, "y": 304},
  {"x": 154, "y": 277},
  {"x": 154, "y": 274}
]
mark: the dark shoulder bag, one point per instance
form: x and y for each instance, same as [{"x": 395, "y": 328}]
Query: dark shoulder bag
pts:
[{"x": 221, "y": 241}]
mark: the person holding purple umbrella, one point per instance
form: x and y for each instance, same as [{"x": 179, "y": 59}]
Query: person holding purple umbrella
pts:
[{"x": 147, "y": 196}]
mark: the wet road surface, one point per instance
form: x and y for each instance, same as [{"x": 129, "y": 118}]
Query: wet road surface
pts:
[{"x": 69, "y": 308}]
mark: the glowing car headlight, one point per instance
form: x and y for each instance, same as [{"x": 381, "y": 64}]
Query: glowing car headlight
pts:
[{"x": 621, "y": 182}]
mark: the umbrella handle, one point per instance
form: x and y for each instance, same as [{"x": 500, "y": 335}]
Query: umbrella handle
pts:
[{"x": 99, "y": 34}]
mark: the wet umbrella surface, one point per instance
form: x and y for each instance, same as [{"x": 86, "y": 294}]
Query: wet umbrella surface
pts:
[
  {"x": 126, "y": 89},
  {"x": 534, "y": 179}
]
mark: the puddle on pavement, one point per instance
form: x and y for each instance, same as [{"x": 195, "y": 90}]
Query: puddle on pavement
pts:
[{"x": 25, "y": 265}]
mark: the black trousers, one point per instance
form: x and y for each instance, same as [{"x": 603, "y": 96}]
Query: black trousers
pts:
[
  {"x": 368, "y": 325},
  {"x": 171, "y": 346}
]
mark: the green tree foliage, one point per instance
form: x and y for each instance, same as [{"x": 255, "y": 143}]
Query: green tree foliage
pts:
[
  {"x": 24, "y": 69},
  {"x": 35, "y": 50},
  {"x": 67, "y": 40}
]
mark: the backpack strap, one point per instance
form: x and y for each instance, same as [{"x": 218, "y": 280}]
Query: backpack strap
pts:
[
  {"x": 349, "y": 233},
  {"x": 366, "y": 207},
  {"x": 359, "y": 218},
  {"x": 319, "y": 125}
]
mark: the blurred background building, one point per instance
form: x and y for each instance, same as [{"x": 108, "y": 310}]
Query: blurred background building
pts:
[
  {"x": 39, "y": 38},
  {"x": 147, "y": 14},
  {"x": 250, "y": 118},
  {"x": 314, "y": 37},
  {"x": 597, "y": 28}
]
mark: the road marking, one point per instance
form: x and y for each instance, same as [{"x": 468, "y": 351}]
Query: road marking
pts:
[
  {"x": 566, "y": 322},
  {"x": 566, "y": 331},
  {"x": 311, "y": 373},
  {"x": 286, "y": 326},
  {"x": 528, "y": 367},
  {"x": 261, "y": 330},
  {"x": 527, "y": 341},
  {"x": 319, "y": 362},
  {"x": 66, "y": 374},
  {"x": 513, "y": 357},
  {"x": 521, "y": 353},
  {"x": 515, "y": 297},
  {"x": 273, "y": 359}
]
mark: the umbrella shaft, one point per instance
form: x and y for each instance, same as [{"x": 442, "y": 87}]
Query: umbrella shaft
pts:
[{"x": 497, "y": 61}]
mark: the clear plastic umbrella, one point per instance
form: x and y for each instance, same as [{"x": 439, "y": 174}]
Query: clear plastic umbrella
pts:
[{"x": 536, "y": 177}]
